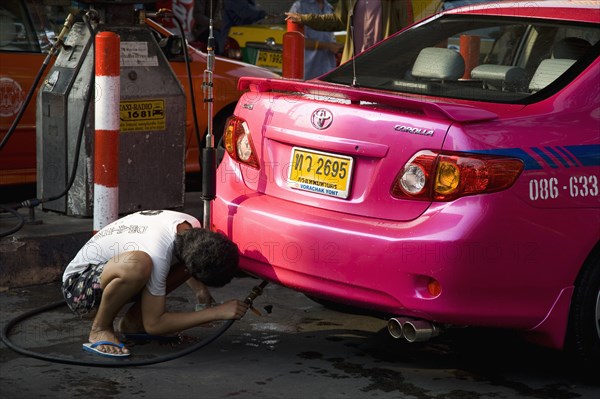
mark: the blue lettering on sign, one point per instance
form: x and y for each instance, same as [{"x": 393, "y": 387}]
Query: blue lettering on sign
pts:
[{"x": 311, "y": 188}]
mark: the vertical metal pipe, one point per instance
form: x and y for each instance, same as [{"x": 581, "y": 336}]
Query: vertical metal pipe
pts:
[{"x": 209, "y": 165}]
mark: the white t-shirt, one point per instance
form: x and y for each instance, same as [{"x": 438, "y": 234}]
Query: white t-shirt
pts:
[{"x": 152, "y": 232}]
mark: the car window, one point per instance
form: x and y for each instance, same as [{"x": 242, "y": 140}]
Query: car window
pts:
[
  {"x": 477, "y": 58},
  {"x": 31, "y": 26},
  {"x": 16, "y": 32}
]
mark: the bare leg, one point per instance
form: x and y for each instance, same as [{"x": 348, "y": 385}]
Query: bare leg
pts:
[
  {"x": 122, "y": 278},
  {"x": 132, "y": 321}
]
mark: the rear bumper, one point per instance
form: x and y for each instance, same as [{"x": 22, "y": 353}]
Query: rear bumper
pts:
[{"x": 492, "y": 273}]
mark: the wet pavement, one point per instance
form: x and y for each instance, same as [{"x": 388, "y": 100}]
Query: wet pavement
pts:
[{"x": 297, "y": 348}]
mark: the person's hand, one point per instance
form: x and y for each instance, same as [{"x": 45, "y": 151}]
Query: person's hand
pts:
[
  {"x": 292, "y": 16},
  {"x": 231, "y": 310}
]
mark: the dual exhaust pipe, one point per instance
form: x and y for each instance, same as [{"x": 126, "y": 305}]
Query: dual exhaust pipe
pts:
[{"x": 412, "y": 330}]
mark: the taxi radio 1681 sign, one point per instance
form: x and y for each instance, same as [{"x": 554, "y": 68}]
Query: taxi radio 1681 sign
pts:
[{"x": 142, "y": 115}]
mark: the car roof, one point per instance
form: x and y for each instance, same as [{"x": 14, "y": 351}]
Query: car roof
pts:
[{"x": 567, "y": 10}]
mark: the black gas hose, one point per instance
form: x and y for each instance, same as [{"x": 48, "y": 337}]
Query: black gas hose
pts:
[
  {"x": 4, "y": 334},
  {"x": 167, "y": 13},
  {"x": 255, "y": 292}
]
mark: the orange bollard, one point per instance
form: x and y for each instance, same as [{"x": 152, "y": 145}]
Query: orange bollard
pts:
[
  {"x": 293, "y": 51},
  {"x": 469, "y": 49},
  {"x": 107, "y": 125}
]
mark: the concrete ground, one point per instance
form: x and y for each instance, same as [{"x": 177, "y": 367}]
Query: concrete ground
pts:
[{"x": 296, "y": 349}]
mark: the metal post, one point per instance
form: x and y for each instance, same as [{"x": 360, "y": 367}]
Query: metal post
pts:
[
  {"x": 209, "y": 158},
  {"x": 107, "y": 125}
]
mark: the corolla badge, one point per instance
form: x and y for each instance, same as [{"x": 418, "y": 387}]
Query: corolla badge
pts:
[
  {"x": 321, "y": 118},
  {"x": 414, "y": 130}
]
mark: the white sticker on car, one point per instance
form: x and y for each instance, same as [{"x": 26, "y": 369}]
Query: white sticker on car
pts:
[
  {"x": 551, "y": 188},
  {"x": 11, "y": 96}
]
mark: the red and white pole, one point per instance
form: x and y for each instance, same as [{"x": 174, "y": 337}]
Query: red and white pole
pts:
[{"x": 107, "y": 124}]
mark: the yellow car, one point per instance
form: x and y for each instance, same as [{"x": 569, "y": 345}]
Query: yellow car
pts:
[{"x": 262, "y": 43}]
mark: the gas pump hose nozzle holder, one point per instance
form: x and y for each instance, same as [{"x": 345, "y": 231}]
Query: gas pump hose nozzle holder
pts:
[{"x": 59, "y": 40}]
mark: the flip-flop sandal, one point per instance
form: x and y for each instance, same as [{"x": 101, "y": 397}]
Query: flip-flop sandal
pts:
[{"x": 93, "y": 348}]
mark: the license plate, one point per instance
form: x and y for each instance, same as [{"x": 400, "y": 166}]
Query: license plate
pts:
[
  {"x": 269, "y": 59},
  {"x": 320, "y": 172}
]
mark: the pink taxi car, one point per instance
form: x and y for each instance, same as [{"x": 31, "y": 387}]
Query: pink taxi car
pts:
[{"x": 448, "y": 176}]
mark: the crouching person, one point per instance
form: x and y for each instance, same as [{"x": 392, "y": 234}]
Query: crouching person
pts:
[{"x": 140, "y": 258}]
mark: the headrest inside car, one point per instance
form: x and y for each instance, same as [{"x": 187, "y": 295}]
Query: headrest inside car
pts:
[
  {"x": 572, "y": 48},
  {"x": 500, "y": 76},
  {"x": 439, "y": 63},
  {"x": 548, "y": 71}
]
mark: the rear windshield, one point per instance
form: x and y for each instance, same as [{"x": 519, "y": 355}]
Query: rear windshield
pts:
[{"x": 476, "y": 58}]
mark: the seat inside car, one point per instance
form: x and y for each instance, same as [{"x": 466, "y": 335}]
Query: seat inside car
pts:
[{"x": 565, "y": 53}]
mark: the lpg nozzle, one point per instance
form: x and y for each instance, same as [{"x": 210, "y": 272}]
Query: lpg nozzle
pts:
[{"x": 256, "y": 291}]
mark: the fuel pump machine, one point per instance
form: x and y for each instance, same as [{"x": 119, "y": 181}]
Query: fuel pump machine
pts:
[{"x": 152, "y": 118}]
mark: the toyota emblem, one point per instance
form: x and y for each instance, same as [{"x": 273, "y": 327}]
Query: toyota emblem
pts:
[{"x": 321, "y": 118}]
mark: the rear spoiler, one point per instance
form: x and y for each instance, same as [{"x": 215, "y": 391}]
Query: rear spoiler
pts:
[{"x": 438, "y": 110}]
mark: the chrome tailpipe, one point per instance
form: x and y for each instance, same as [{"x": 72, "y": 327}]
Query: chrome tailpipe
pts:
[
  {"x": 419, "y": 330},
  {"x": 395, "y": 325},
  {"x": 412, "y": 330}
]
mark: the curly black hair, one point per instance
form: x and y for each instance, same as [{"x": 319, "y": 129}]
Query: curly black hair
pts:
[{"x": 210, "y": 257}]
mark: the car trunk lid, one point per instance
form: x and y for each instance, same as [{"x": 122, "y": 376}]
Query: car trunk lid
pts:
[{"x": 338, "y": 148}]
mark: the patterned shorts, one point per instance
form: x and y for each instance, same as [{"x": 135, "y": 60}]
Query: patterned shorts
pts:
[{"x": 82, "y": 291}]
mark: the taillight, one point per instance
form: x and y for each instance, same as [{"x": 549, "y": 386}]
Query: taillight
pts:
[
  {"x": 232, "y": 49},
  {"x": 445, "y": 176},
  {"x": 238, "y": 142}
]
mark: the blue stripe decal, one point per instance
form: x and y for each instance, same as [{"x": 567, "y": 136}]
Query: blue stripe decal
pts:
[
  {"x": 544, "y": 156},
  {"x": 568, "y": 155},
  {"x": 557, "y": 156},
  {"x": 588, "y": 155},
  {"x": 530, "y": 162}
]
